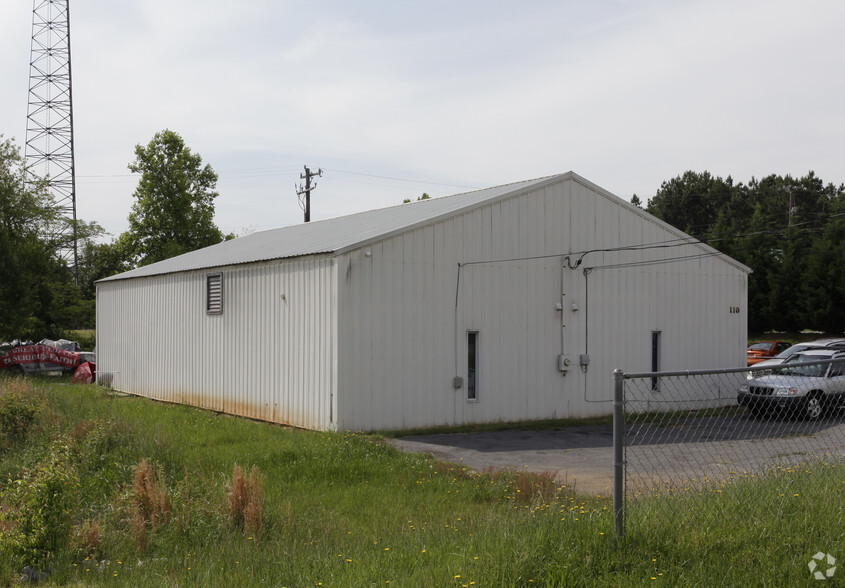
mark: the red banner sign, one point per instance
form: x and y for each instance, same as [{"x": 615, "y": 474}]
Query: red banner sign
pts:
[{"x": 40, "y": 358}]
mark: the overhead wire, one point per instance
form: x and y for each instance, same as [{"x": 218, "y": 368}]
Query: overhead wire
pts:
[
  {"x": 402, "y": 179},
  {"x": 291, "y": 169},
  {"x": 667, "y": 244}
]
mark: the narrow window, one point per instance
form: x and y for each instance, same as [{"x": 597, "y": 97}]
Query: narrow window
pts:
[
  {"x": 214, "y": 294},
  {"x": 655, "y": 359},
  {"x": 472, "y": 365}
]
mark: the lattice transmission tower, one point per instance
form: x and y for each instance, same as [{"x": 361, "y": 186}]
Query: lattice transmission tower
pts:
[{"x": 49, "y": 129}]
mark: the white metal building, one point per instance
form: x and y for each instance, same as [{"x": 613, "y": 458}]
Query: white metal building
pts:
[{"x": 511, "y": 303}]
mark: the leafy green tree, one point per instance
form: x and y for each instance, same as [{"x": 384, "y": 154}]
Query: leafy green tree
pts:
[
  {"x": 38, "y": 297},
  {"x": 824, "y": 282},
  {"x": 174, "y": 202},
  {"x": 101, "y": 260},
  {"x": 691, "y": 202},
  {"x": 787, "y": 230}
]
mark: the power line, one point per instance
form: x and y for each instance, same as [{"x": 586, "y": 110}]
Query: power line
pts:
[
  {"x": 404, "y": 179},
  {"x": 668, "y": 244}
]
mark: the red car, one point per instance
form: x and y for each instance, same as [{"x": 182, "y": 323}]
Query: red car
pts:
[{"x": 762, "y": 350}]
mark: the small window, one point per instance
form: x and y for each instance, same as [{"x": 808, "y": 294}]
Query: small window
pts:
[
  {"x": 655, "y": 359},
  {"x": 472, "y": 365},
  {"x": 214, "y": 294}
]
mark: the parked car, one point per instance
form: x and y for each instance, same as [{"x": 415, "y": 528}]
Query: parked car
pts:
[
  {"x": 799, "y": 388},
  {"x": 831, "y": 343},
  {"x": 762, "y": 350}
]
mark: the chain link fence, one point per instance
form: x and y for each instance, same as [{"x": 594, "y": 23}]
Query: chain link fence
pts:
[{"x": 742, "y": 433}]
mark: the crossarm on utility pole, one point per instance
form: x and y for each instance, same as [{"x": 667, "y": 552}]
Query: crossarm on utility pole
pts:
[{"x": 306, "y": 206}]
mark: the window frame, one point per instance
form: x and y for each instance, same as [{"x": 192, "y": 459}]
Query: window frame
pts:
[
  {"x": 473, "y": 356},
  {"x": 656, "y": 358}
]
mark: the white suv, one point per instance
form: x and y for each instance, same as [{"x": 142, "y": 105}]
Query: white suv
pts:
[{"x": 799, "y": 388}]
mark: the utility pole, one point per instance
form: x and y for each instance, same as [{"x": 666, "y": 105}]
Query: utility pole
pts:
[
  {"x": 792, "y": 208},
  {"x": 306, "y": 205}
]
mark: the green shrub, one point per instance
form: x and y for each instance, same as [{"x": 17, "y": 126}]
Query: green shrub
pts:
[
  {"x": 19, "y": 408},
  {"x": 36, "y": 518},
  {"x": 103, "y": 453}
]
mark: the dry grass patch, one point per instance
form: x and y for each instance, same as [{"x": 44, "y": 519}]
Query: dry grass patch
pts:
[
  {"x": 150, "y": 504},
  {"x": 246, "y": 499}
]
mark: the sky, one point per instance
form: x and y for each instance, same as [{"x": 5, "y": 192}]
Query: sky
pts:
[{"x": 393, "y": 99}]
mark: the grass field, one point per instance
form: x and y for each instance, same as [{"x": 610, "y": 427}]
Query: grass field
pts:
[
  {"x": 87, "y": 338},
  {"x": 346, "y": 509}
]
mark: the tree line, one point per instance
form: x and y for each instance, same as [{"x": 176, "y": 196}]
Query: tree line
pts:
[
  {"x": 40, "y": 296},
  {"x": 789, "y": 231}
]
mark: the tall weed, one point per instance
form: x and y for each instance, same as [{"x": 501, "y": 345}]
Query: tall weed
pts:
[
  {"x": 36, "y": 517},
  {"x": 89, "y": 537},
  {"x": 20, "y": 406},
  {"x": 246, "y": 500},
  {"x": 150, "y": 504},
  {"x": 105, "y": 452}
]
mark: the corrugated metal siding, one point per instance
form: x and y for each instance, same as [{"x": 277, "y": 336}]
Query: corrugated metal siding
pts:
[
  {"x": 373, "y": 337},
  {"x": 402, "y": 340},
  {"x": 269, "y": 355}
]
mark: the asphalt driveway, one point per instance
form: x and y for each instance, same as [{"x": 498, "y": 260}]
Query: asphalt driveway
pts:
[
  {"x": 695, "y": 447},
  {"x": 580, "y": 456}
]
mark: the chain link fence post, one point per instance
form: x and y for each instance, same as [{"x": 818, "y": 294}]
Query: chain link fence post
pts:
[
  {"x": 618, "y": 453},
  {"x": 717, "y": 444}
]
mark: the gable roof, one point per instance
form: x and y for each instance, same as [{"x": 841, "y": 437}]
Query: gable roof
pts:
[
  {"x": 339, "y": 234},
  {"x": 331, "y": 235}
]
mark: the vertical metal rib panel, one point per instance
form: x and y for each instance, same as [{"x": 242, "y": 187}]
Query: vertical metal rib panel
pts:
[
  {"x": 268, "y": 355},
  {"x": 401, "y": 346},
  {"x": 372, "y": 338}
]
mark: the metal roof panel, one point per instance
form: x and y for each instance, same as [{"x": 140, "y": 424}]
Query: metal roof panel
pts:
[{"x": 327, "y": 236}]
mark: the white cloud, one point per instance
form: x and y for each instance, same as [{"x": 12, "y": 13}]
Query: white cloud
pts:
[{"x": 473, "y": 93}]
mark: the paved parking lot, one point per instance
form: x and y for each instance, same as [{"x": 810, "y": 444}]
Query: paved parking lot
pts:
[{"x": 582, "y": 456}]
